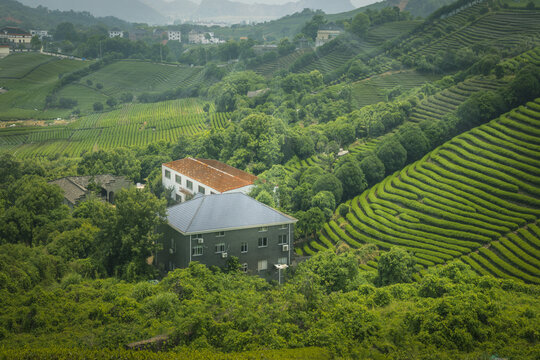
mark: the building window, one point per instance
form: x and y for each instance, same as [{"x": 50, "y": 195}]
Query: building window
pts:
[
  {"x": 178, "y": 179},
  {"x": 220, "y": 233},
  {"x": 282, "y": 260},
  {"x": 202, "y": 190},
  {"x": 244, "y": 247},
  {"x": 178, "y": 197},
  {"x": 263, "y": 228},
  {"x": 220, "y": 248},
  {"x": 262, "y": 265},
  {"x": 198, "y": 237},
  {"x": 245, "y": 267},
  {"x": 167, "y": 174},
  {"x": 282, "y": 239},
  {"x": 263, "y": 242},
  {"x": 212, "y": 193},
  {"x": 283, "y": 227},
  {"x": 197, "y": 250},
  {"x": 189, "y": 185}
]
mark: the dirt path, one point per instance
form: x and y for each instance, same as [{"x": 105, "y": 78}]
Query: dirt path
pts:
[{"x": 32, "y": 122}]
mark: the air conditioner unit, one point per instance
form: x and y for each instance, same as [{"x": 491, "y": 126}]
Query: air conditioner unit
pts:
[
  {"x": 285, "y": 248},
  {"x": 200, "y": 240},
  {"x": 224, "y": 255},
  {"x": 171, "y": 251}
]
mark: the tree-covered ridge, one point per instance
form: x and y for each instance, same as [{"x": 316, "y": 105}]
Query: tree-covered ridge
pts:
[{"x": 327, "y": 302}]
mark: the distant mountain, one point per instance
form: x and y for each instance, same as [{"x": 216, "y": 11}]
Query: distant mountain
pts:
[
  {"x": 13, "y": 13},
  {"x": 129, "y": 10},
  {"x": 216, "y": 9}
]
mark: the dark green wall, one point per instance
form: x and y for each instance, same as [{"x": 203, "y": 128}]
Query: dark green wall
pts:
[{"x": 180, "y": 256}]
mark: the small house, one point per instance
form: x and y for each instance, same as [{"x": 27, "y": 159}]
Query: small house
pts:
[
  {"x": 78, "y": 188},
  {"x": 174, "y": 36},
  {"x": 327, "y": 34},
  {"x": 116, "y": 33}
]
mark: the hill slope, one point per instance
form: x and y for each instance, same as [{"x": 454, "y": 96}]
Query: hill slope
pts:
[{"x": 476, "y": 197}]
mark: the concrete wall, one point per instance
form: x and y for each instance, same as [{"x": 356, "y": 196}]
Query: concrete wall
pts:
[
  {"x": 168, "y": 183},
  {"x": 181, "y": 245}
]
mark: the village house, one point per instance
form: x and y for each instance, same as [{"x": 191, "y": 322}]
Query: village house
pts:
[
  {"x": 174, "y": 36},
  {"x": 326, "y": 34},
  {"x": 40, "y": 34},
  {"x": 189, "y": 176},
  {"x": 197, "y": 37},
  {"x": 15, "y": 37},
  {"x": 116, "y": 33},
  {"x": 210, "y": 229},
  {"x": 79, "y": 188}
]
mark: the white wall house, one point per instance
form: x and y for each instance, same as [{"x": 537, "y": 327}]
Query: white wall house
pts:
[
  {"x": 189, "y": 176},
  {"x": 174, "y": 36},
  {"x": 40, "y": 33},
  {"x": 116, "y": 33}
]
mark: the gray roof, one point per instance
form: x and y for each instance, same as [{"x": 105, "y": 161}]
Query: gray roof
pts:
[
  {"x": 75, "y": 187},
  {"x": 221, "y": 212}
]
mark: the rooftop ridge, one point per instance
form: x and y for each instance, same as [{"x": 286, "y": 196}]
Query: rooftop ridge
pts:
[{"x": 219, "y": 170}]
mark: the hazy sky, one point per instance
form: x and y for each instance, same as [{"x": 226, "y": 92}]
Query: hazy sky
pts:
[{"x": 356, "y": 3}]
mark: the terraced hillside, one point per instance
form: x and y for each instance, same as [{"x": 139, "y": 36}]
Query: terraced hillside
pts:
[
  {"x": 499, "y": 29},
  {"x": 281, "y": 63},
  {"x": 477, "y": 198},
  {"x": 377, "y": 35},
  {"x": 140, "y": 76},
  {"x": 30, "y": 83},
  {"x": 133, "y": 124},
  {"x": 375, "y": 89}
]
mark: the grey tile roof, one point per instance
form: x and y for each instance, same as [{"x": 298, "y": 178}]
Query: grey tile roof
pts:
[{"x": 223, "y": 212}]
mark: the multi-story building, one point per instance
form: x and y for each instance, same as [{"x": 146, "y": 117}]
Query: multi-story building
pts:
[
  {"x": 15, "y": 36},
  {"x": 174, "y": 36},
  {"x": 189, "y": 176},
  {"x": 210, "y": 229},
  {"x": 116, "y": 33}
]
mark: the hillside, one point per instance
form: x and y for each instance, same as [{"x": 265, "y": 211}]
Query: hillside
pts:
[
  {"x": 476, "y": 197},
  {"x": 13, "y": 13},
  {"x": 127, "y": 10}
]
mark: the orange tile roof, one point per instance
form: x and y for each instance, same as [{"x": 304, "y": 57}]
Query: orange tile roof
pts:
[{"x": 212, "y": 173}]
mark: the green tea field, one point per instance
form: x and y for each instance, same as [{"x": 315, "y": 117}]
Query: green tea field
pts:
[
  {"x": 477, "y": 198},
  {"x": 131, "y": 125}
]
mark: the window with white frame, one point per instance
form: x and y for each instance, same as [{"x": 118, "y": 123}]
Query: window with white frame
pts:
[
  {"x": 245, "y": 267},
  {"x": 263, "y": 242},
  {"x": 263, "y": 228},
  {"x": 220, "y": 233},
  {"x": 282, "y": 260},
  {"x": 262, "y": 265},
  {"x": 197, "y": 250},
  {"x": 202, "y": 190},
  {"x": 178, "y": 179},
  {"x": 220, "y": 248},
  {"x": 167, "y": 174},
  {"x": 283, "y": 227},
  {"x": 282, "y": 239},
  {"x": 189, "y": 184},
  {"x": 244, "y": 247},
  {"x": 196, "y": 237}
]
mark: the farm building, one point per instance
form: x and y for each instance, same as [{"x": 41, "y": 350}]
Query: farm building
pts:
[
  {"x": 211, "y": 228},
  {"x": 79, "y": 188},
  {"x": 15, "y": 36},
  {"x": 40, "y": 34},
  {"x": 326, "y": 34},
  {"x": 189, "y": 176}
]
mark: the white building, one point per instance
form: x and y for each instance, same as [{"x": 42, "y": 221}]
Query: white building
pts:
[
  {"x": 116, "y": 33},
  {"x": 196, "y": 37},
  {"x": 174, "y": 36},
  {"x": 326, "y": 35},
  {"x": 190, "y": 176},
  {"x": 40, "y": 33}
]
